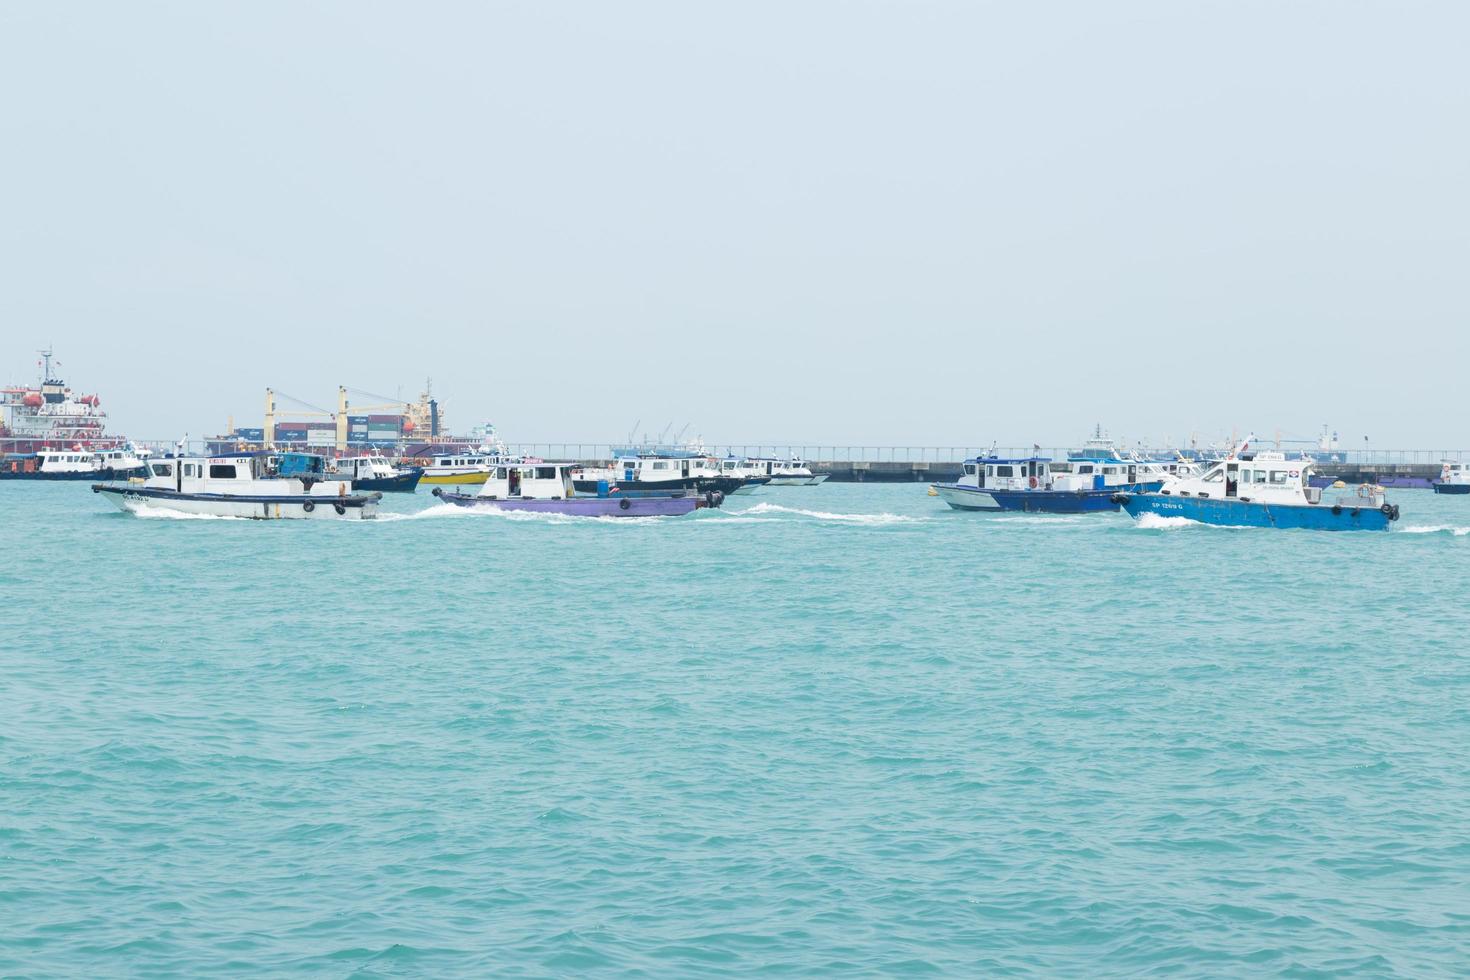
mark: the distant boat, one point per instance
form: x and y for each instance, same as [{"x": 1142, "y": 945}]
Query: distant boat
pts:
[
  {"x": 261, "y": 486},
  {"x": 793, "y": 472},
  {"x": 1263, "y": 490},
  {"x": 375, "y": 472},
  {"x": 660, "y": 472},
  {"x": 550, "y": 488},
  {"x": 72, "y": 464},
  {"x": 1453, "y": 478}
]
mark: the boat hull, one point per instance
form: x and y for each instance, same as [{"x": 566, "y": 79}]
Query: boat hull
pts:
[
  {"x": 1452, "y": 488},
  {"x": 751, "y": 486},
  {"x": 618, "y": 506},
  {"x": 1026, "y": 501},
  {"x": 454, "y": 479},
  {"x": 1239, "y": 513},
  {"x": 799, "y": 481},
  {"x": 661, "y": 488},
  {"x": 405, "y": 482},
  {"x": 138, "y": 500}
]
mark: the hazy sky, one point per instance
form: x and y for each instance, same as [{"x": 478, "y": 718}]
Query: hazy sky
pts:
[{"x": 858, "y": 222}]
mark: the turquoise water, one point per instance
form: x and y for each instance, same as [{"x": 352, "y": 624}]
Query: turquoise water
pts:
[{"x": 834, "y": 729}]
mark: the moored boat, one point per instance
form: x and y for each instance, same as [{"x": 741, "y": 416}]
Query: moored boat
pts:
[
  {"x": 1263, "y": 490},
  {"x": 72, "y": 464},
  {"x": 550, "y": 488},
  {"x": 261, "y": 485}
]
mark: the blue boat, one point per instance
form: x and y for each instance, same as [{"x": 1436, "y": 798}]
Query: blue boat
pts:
[
  {"x": 1263, "y": 490},
  {"x": 991, "y": 483}
]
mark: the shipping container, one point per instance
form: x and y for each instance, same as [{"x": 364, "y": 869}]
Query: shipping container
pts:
[{"x": 395, "y": 419}]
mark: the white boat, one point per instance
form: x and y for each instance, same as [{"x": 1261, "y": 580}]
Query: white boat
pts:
[
  {"x": 73, "y": 464},
  {"x": 793, "y": 472},
  {"x": 743, "y": 469},
  {"x": 263, "y": 486},
  {"x": 1454, "y": 477}
]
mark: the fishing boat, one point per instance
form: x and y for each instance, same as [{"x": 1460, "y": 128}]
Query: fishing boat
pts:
[
  {"x": 659, "y": 473},
  {"x": 994, "y": 483},
  {"x": 1263, "y": 490},
  {"x": 72, "y": 464},
  {"x": 551, "y": 488},
  {"x": 375, "y": 472},
  {"x": 793, "y": 472},
  {"x": 1453, "y": 478},
  {"x": 260, "y": 485}
]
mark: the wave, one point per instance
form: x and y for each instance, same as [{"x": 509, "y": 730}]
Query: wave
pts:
[
  {"x": 1458, "y": 532},
  {"x": 822, "y": 515}
]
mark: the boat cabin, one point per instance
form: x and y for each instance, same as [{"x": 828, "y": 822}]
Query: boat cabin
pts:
[
  {"x": 458, "y": 463},
  {"x": 245, "y": 473},
  {"x": 995, "y": 473},
  {"x": 355, "y": 468},
  {"x": 1456, "y": 474},
  {"x": 529, "y": 481},
  {"x": 1267, "y": 477}
]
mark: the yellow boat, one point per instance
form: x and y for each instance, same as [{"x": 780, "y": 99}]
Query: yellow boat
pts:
[{"x": 465, "y": 469}]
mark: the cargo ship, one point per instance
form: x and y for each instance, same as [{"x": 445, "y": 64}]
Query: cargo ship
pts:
[{"x": 49, "y": 415}]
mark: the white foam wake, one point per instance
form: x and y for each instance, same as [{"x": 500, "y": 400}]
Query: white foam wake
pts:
[
  {"x": 167, "y": 514},
  {"x": 822, "y": 515},
  {"x": 452, "y": 511},
  {"x": 1458, "y": 532},
  {"x": 1160, "y": 522}
]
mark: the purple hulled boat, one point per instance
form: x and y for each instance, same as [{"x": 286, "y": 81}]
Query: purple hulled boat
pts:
[{"x": 548, "y": 488}]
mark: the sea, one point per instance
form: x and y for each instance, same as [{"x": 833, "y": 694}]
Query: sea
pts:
[{"x": 834, "y": 730}]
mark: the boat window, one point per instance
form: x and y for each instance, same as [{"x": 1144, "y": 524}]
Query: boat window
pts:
[
  {"x": 546, "y": 472},
  {"x": 219, "y": 471},
  {"x": 660, "y": 466},
  {"x": 1215, "y": 476},
  {"x": 1260, "y": 476},
  {"x": 1278, "y": 476},
  {"x": 1085, "y": 469},
  {"x": 163, "y": 469},
  {"x": 1002, "y": 471},
  {"x": 970, "y": 469}
]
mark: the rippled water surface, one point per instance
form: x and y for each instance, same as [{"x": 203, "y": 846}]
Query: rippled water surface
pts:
[{"x": 833, "y": 729}]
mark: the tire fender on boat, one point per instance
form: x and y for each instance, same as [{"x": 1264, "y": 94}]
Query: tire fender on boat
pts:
[
  {"x": 309, "y": 506},
  {"x": 437, "y": 491},
  {"x": 340, "y": 508},
  {"x": 624, "y": 504}
]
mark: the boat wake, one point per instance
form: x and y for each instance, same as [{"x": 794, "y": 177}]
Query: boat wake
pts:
[
  {"x": 454, "y": 511},
  {"x": 165, "y": 514},
  {"x": 1040, "y": 518},
  {"x": 821, "y": 515},
  {"x": 1159, "y": 522},
  {"x": 1458, "y": 532}
]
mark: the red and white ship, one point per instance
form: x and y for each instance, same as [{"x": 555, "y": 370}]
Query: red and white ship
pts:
[{"x": 51, "y": 416}]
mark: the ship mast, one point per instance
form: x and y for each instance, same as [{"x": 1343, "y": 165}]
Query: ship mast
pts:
[{"x": 45, "y": 363}]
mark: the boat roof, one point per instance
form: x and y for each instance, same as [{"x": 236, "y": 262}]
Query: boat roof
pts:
[{"x": 1009, "y": 459}]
